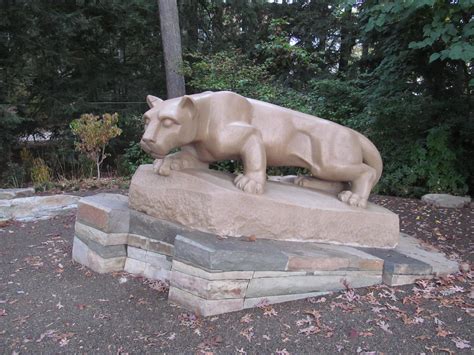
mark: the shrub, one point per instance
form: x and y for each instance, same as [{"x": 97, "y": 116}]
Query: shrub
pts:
[
  {"x": 14, "y": 175},
  {"x": 94, "y": 134},
  {"x": 40, "y": 172},
  {"x": 134, "y": 157},
  {"x": 429, "y": 166}
]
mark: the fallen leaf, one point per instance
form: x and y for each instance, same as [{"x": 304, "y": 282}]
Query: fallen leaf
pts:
[
  {"x": 461, "y": 343},
  {"x": 247, "y": 333},
  {"x": 251, "y": 238},
  {"x": 384, "y": 326},
  {"x": 246, "y": 318}
]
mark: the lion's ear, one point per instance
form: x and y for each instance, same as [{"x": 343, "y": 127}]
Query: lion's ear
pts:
[
  {"x": 187, "y": 103},
  {"x": 152, "y": 101}
]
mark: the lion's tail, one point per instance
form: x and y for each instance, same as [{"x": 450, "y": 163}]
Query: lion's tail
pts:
[{"x": 371, "y": 156}]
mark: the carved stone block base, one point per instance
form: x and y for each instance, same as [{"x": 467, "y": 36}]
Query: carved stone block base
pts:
[{"x": 208, "y": 201}]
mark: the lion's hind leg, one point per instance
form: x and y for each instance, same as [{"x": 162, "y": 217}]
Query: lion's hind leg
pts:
[
  {"x": 332, "y": 187},
  {"x": 362, "y": 181},
  {"x": 361, "y": 178}
]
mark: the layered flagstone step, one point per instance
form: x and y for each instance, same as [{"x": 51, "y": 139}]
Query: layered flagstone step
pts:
[
  {"x": 211, "y": 274},
  {"x": 8, "y": 194},
  {"x": 36, "y": 207},
  {"x": 211, "y": 252}
]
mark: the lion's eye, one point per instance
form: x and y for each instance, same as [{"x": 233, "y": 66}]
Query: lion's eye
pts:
[
  {"x": 146, "y": 120},
  {"x": 167, "y": 122}
]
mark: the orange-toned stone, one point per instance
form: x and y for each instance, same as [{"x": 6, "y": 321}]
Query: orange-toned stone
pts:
[{"x": 106, "y": 212}]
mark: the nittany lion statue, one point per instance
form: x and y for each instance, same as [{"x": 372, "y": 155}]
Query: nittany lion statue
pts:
[{"x": 214, "y": 126}]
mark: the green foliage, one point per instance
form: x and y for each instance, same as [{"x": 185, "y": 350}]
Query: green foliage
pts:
[
  {"x": 64, "y": 58},
  {"x": 398, "y": 71},
  {"x": 226, "y": 70},
  {"x": 287, "y": 62},
  {"x": 430, "y": 166},
  {"x": 10, "y": 123},
  {"x": 230, "y": 70},
  {"x": 451, "y": 30},
  {"x": 94, "y": 133},
  {"x": 341, "y": 101},
  {"x": 133, "y": 157},
  {"x": 13, "y": 175}
]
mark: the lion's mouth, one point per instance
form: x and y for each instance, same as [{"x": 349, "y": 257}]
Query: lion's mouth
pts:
[
  {"x": 157, "y": 156},
  {"x": 146, "y": 147}
]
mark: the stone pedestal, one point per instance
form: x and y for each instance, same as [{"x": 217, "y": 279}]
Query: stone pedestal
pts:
[
  {"x": 208, "y": 201},
  {"x": 209, "y": 274}
]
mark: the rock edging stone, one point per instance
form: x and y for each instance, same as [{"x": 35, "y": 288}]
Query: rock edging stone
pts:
[
  {"x": 37, "y": 207},
  {"x": 446, "y": 200}
]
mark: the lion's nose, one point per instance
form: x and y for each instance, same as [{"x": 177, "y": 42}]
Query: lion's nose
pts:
[
  {"x": 146, "y": 145},
  {"x": 148, "y": 140}
]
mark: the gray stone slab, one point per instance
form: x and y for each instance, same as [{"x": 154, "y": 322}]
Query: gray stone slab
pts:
[
  {"x": 275, "y": 286},
  {"x": 217, "y": 275},
  {"x": 237, "y": 254},
  {"x": 134, "y": 266},
  {"x": 413, "y": 248},
  {"x": 156, "y": 273},
  {"x": 400, "y": 264},
  {"x": 37, "y": 207},
  {"x": 446, "y": 200},
  {"x": 8, "y": 194},
  {"x": 399, "y": 280},
  {"x": 209, "y": 289},
  {"x": 326, "y": 257},
  {"x": 104, "y": 211},
  {"x": 157, "y": 246},
  {"x": 255, "y": 302},
  {"x": 230, "y": 254},
  {"x": 106, "y": 252},
  {"x": 86, "y": 232},
  {"x": 260, "y": 274},
  {"x": 154, "y": 228},
  {"x": 82, "y": 254},
  {"x": 136, "y": 253},
  {"x": 201, "y": 306}
]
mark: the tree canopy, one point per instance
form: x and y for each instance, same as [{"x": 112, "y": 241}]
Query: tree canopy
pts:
[{"x": 398, "y": 71}]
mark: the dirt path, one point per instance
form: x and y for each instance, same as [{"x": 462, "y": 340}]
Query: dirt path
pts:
[{"x": 49, "y": 304}]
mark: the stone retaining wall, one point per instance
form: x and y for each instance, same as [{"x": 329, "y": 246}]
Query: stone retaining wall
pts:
[{"x": 210, "y": 275}]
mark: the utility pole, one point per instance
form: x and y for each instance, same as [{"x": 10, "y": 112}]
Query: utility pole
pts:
[{"x": 171, "y": 39}]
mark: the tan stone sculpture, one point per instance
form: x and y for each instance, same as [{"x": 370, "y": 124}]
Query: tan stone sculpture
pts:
[{"x": 214, "y": 126}]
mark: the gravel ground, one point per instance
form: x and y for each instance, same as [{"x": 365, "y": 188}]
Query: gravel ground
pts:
[{"x": 49, "y": 304}]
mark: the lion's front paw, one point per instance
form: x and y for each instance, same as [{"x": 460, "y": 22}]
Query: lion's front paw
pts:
[
  {"x": 352, "y": 199},
  {"x": 177, "y": 161},
  {"x": 248, "y": 184},
  {"x": 162, "y": 166}
]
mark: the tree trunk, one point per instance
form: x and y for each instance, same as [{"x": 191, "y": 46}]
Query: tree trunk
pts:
[
  {"x": 347, "y": 39},
  {"x": 171, "y": 39}
]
